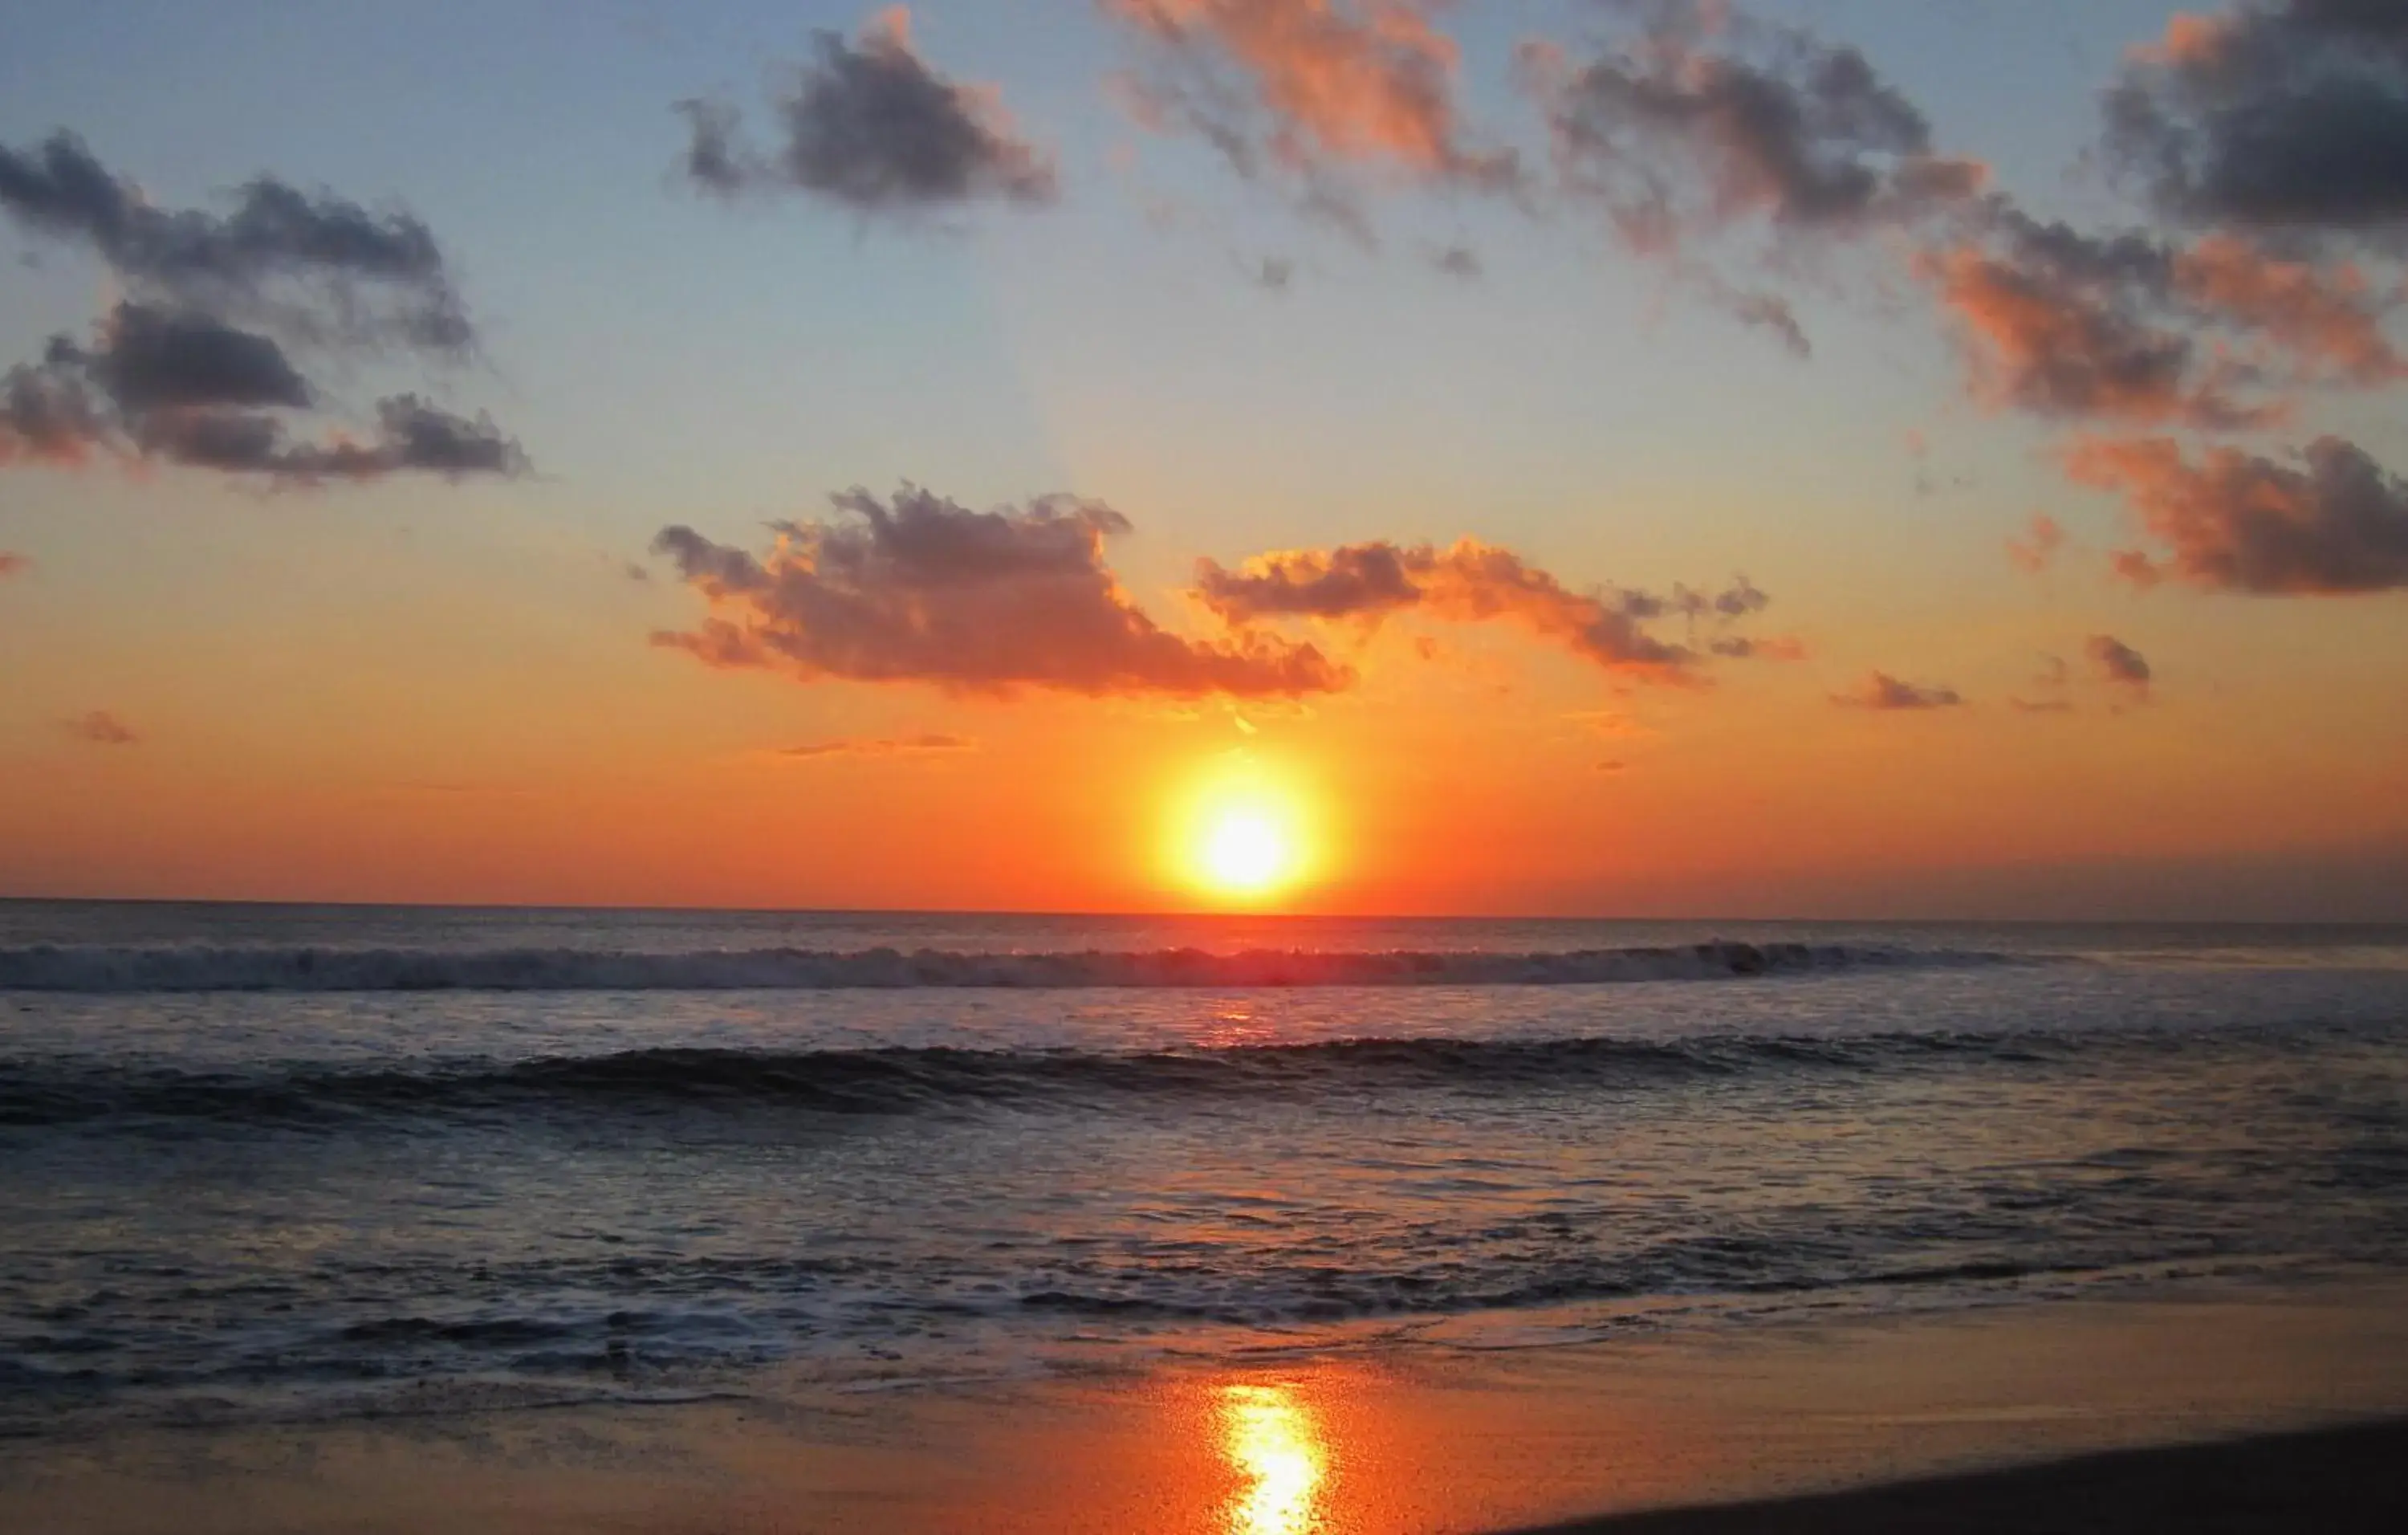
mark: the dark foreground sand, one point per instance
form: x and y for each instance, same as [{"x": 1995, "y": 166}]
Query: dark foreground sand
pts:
[
  {"x": 1459, "y": 1430},
  {"x": 2334, "y": 1482}
]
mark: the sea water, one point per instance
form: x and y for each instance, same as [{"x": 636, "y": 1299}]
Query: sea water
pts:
[{"x": 297, "y": 1161}]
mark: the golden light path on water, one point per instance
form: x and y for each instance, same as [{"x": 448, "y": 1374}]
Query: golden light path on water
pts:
[{"x": 1274, "y": 1441}]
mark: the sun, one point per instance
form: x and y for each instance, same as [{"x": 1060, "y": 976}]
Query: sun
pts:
[
  {"x": 1244, "y": 851},
  {"x": 1240, "y": 837}
]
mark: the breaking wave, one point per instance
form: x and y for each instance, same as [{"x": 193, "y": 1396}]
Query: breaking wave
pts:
[
  {"x": 109, "y": 968},
  {"x": 902, "y": 1081}
]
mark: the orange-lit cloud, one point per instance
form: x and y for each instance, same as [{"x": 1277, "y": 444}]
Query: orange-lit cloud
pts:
[
  {"x": 1474, "y": 582},
  {"x": 1307, "y": 89},
  {"x": 918, "y": 588},
  {"x": 2327, "y": 321},
  {"x": 2054, "y": 341},
  {"x": 2038, "y": 548},
  {"x": 2335, "y": 523}
]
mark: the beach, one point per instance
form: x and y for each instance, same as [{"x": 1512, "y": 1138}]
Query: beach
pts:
[
  {"x": 1426, "y": 1441},
  {"x": 398, "y": 1220}
]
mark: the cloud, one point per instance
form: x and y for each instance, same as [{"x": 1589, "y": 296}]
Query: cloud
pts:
[
  {"x": 1474, "y": 582},
  {"x": 2120, "y": 666},
  {"x": 1310, "y": 93},
  {"x": 2288, "y": 115},
  {"x": 921, "y": 745},
  {"x": 2050, "y": 683},
  {"x": 867, "y": 124},
  {"x": 199, "y": 367},
  {"x": 49, "y": 415},
  {"x": 151, "y": 358},
  {"x": 2130, "y": 327},
  {"x": 14, "y": 564},
  {"x": 2037, "y": 549},
  {"x": 100, "y": 728},
  {"x": 2326, "y": 323},
  {"x": 919, "y": 589},
  {"x": 1709, "y": 122},
  {"x": 411, "y": 437},
  {"x": 1271, "y": 274},
  {"x": 1457, "y": 260},
  {"x": 179, "y": 390},
  {"x": 2065, "y": 329},
  {"x": 1879, "y": 690},
  {"x": 2332, "y": 523},
  {"x": 313, "y": 261}
]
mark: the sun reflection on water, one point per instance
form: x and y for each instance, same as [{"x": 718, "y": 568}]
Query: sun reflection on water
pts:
[{"x": 1274, "y": 1441}]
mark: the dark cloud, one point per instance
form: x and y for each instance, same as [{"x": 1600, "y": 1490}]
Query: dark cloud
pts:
[
  {"x": 412, "y": 437},
  {"x": 1472, "y": 582},
  {"x": 867, "y": 125},
  {"x": 100, "y": 728},
  {"x": 1879, "y": 690},
  {"x": 152, "y": 359},
  {"x": 199, "y": 367},
  {"x": 2331, "y": 522},
  {"x": 921, "y": 745},
  {"x": 1709, "y": 121},
  {"x": 313, "y": 261},
  {"x": 2118, "y": 665},
  {"x": 1312, "y": 94},
  {"x": 919, "y": 589},
  {"x": 2289, "y": 116}
]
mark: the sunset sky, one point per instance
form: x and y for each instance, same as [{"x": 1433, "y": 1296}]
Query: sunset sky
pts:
[{"x": 1814, "y": 459}]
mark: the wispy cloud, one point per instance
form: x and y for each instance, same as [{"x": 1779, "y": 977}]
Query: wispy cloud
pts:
[
  {"x": 100, "y": 727},
  {"x": 931, "y": 744},
  {"x": 1880, "y": 691},
  {"x": 1312, "y": 96}
]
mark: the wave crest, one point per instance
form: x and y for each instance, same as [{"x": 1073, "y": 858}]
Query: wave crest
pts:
[
  {"x": 902, "y": 1081},
  {"x": 194, "y": 967}
]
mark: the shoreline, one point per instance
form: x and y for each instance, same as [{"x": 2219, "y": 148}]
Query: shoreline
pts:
[{"x": 1598, "y": 1438}]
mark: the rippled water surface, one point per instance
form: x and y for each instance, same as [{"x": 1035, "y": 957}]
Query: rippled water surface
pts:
[{"x": 300, "y": 1160}]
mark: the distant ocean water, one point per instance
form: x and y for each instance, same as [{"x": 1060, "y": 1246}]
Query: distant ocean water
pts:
[{"x": 306, "y": 1160}]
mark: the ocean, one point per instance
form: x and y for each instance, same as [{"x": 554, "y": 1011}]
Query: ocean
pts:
[{"x": 264, "y": 1164}]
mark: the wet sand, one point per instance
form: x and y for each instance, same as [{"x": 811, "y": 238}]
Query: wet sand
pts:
[
  {"x": 2334, "y": 1480},
  {"x": 1456, "y": 1432}
]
